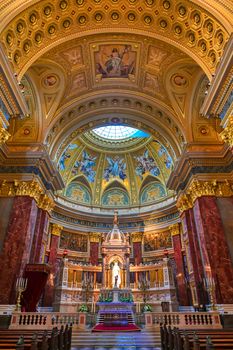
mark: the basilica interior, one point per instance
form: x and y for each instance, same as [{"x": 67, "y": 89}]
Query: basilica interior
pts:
[{"x": 116, "y": 136}]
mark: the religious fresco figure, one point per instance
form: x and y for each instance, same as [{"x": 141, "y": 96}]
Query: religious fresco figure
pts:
[
  {"x": 85, "y": 166},
  {"x": 114, "y": 61},
  {"x": 116, "y": 168},
  {"x": 66, "y": 155},
  {"x": 146, "y": 164}
]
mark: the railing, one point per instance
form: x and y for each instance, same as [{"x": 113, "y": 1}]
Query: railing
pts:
[
  {"x": 185, "y": 320},
  {"x": 45, "y": 320}
]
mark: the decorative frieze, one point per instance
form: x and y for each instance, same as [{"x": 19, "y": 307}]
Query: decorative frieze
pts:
[
  {"x": 27, "y": 188},
  {"x": 203, "y": 188}
]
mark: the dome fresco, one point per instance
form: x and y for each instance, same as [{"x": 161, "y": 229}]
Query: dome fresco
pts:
[{"x": 98, "y": 176}]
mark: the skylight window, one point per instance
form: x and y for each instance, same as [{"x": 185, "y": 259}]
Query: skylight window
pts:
[{"x": 118, "y": 132}]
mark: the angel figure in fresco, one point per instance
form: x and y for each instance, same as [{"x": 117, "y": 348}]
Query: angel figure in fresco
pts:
[
  {"x": 66, "y": 155},
  {"x": 85, "y": 166},
  {"x": 116, "y": 168},
  {"x": 146, "y": 164}
]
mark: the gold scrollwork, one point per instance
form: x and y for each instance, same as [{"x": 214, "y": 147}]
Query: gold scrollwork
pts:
[
  {"x": 94, "y": 236},
  {"x": 27, "y": 188},
  {"x": 227, "y": 133},
  {"x": 174, "y": 229},
  {"x": 203, "y": 188},
  {"x": 4, "y": 135},
  {"x": 136, "y": 236},
  {"x": 56, "y": 229}
]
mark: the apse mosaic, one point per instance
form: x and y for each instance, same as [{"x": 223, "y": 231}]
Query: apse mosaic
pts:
[
  {"x": 115, "y": 197},
  {"x": 115, "y": 61},
  {"x": 152, "y": 192},
  {"x": 78, "y": 192},
  {"x": 73, "y": 241},
  {"x": 116, "y": 168},
  {"x": 85, "y": 166},
  {"x": 157, "y": 241},
  {"x": 65, "y": 156},
  {"x": 146, "y": 163}
]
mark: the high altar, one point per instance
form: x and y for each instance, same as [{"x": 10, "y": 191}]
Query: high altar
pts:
[{"x": 116, "y": 281}]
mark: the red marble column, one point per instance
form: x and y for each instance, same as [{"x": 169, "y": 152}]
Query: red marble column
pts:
[
  {"x": 137, "y": 251},
  {"x": 37, "y": 251},
  {"x": 214, "y": 250},
  {"x": 54, "y": 264},
  {"x": 180, "y": 272},
  {"x": 17, "y": 246},
  {"x": 94, "y": 253},
  {"x": 196, "y": 272}
]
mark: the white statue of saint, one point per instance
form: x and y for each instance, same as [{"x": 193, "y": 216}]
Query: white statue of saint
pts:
[{"x": 116, "y": 276}]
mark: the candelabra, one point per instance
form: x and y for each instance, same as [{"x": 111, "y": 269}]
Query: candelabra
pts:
[
  {"x": 21, "y": 285},
  {"x": 87, "y": 286},
  {"x": 209, "y": 284},
  {"x": 144, "y": 285}
]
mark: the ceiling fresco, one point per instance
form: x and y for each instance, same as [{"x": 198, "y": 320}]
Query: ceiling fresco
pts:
[{"x": 96, "y": 176}]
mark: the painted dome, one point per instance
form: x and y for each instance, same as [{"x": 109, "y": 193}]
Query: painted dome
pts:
[{"x": 115, "y": 166}]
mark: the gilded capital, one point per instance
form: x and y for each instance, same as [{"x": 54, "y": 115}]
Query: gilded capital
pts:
[
  {"x": 174, "y": 229},
  {"x": 136, "y": 236},
  {"x": 27, "y": 188},
  {"x": 4, "y": 135},
  {"x": 227, "y": 133},
  {"x": 56, "y": 229},
  {"x": 95, "y": 237},
  {"x": 203, "y": 188}
]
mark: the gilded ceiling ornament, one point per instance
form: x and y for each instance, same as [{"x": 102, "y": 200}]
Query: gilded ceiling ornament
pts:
[
  {"x": 33, "y": 18},
  {"x": 227, "y": 133},
  {"x": 166, "y": 5},
  {"x": 47, "y": 11},
  {"x": 38, "y": 38},
  {"x": 174, "y": 229},
  {"x": 182, "y": 11},
  {"x": 163, "y": 23},
  {"x": 4, "y": 135},
  {"x": 56, "y": 229}
]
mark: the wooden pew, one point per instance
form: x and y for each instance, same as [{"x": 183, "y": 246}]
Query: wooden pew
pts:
[{"x": 175, "y": 339}]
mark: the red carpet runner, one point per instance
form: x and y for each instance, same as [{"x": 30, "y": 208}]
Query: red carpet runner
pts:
[{"x": 127, "y": 328}]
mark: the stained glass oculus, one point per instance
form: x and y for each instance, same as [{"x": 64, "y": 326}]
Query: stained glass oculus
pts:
[{"x": 118, "y": 132}]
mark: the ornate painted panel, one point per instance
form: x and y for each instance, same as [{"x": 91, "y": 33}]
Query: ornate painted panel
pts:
[
  {"x": 78, "y": 192},
  {"x": 116, "y": 167},
  {"x": 115, "y": 198},
  {"x": 115, "y": 61},
  {"x": 62, "y": 164},
  {"x": 85, "y": 166},
  {"x": 157, "y": 241},
  {"x": 152, "y": 192},
  {"x": 73, "y": 241},
  {"x": 146, "y": 164}
]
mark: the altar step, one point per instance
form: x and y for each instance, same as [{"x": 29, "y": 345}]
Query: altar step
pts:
[
  {"x": 100, "y": 319},
  {"x": 85, "y": 340}
]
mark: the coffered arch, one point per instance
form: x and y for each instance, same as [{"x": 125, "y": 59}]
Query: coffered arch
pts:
[{"x": 41, "y": 27}]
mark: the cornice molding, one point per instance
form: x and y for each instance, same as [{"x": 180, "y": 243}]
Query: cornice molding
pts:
[
  {"x": 203, "y": 188},
  {"x": 31, "y": 159},
  {"x": 27, "y": 188},
  {"x": 197, "y": 160}
]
